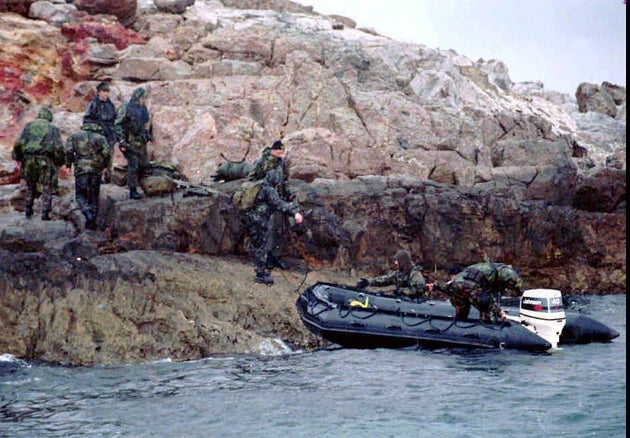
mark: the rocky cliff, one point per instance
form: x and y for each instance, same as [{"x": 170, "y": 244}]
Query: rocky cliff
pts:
[{"x": 392, "y": 145}]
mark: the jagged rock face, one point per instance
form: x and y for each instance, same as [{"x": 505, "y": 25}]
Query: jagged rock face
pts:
[{"x": 123, "y": 9}]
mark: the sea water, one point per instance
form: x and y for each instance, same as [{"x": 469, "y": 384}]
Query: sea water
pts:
[{"x": 575, "y": 391}]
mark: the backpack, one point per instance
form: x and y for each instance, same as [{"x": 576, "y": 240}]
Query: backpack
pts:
[{"x": 245, "y": 196}]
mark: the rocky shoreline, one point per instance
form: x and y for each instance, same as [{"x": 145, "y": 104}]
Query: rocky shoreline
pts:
[{"x": 391, "y": 145}]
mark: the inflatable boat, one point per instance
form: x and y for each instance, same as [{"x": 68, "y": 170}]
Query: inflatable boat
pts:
[{"x": 355, "y": 318}]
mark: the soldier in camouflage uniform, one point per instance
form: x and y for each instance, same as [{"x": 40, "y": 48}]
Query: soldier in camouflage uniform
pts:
[
  {"x": 101, "y": 111},
  {"x": 39, "y": 152},
  {"x": 261, "y": 227},
  {"x": 407, "y": 278},
  {"x": 90, "y": 153},
  {"x": 481, "y": 285},
  {"x": 273, "y": 158},
  {"x": 133, "y": 130}
]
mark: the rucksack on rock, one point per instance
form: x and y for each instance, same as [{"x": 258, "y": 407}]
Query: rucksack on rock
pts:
[{"x": 245, "y": 196}]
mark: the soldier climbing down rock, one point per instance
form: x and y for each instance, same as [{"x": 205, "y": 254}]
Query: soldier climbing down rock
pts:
[{"x": 261, "y": 227}]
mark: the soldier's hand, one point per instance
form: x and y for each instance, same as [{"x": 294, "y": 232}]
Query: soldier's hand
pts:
[
  {"x": 298, "y": 218},
  {"x": 106, "y": 176}
]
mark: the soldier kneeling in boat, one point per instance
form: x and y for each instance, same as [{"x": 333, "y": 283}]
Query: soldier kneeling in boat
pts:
[{"x": 407, "y": 278}]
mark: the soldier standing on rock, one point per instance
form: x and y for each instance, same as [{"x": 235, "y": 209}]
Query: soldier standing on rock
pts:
[
  {"x": 102, "y": 111},
  {"x": 133, "y": 130},
  {"x": 39, "y": 153},
  {"x": 90, "y": 153},
  {"x": 260, "y": 225},
  {"x": 273, "y": 158}
]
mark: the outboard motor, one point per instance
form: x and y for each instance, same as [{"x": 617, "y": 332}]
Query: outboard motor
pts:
[{"x": 542, "y": 312}]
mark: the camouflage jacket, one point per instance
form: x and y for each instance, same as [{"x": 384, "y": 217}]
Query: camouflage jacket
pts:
[
  {"x": 133, "y": 123},
  {"x": 494, "y": 278},
  {"x": 103, "y": 113},
  {"x": 88, "y": 150},
  {"x": 411, "y": 284},
  {"x": 40, "y": 138},
  {"x": 267, "y": 201},
  {"x": 267, "y": 162}
]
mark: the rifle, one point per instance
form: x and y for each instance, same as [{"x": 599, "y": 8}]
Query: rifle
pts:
[{"x": 192, "y": 189}]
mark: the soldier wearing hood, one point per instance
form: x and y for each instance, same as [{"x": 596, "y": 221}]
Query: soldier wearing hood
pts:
[
  {"x": 39, "y": 153},
  {"x": 481, "y": 286},
  {"x": 101, "y": 111},
  {"x": 133, "y": 130},
  {"x": 407, "y": 277},
  {"x": 90, "y": 153},
  {"x": 260, "y": 226}
]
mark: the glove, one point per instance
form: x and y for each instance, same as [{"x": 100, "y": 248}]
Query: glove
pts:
[{"x": 363, "y": 283}]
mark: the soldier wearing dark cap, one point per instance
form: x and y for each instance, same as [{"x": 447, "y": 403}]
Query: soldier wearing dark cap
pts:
[
  {"x": 272, "y": 157},
  {"x": 261, "y": 227},
  {"x": 102, "y": 112},
  {"x": 39, "y": 152},
  {"x": 133, "y": 125},
  {"x": 90, "y": 153},
  {"x": 407, "y": 278},
  {"x": 481, "y": 286}
]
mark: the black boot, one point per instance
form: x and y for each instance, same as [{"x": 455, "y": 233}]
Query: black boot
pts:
[
  {"x": 90, "y": 222},
  {"x": 29, "y": 211},
  {"x": 264, "y": 278},
  {"x": 133, "y": 194},
  {"x": 45, "y": 216}
]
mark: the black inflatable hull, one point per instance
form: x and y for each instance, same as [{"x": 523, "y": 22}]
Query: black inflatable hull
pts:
[{"x": 355, "y": 319}]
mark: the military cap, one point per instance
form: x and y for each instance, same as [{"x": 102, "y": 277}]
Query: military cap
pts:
[
  {"x": 277, "y": 145},
  {"x": 103, "y": 86}
]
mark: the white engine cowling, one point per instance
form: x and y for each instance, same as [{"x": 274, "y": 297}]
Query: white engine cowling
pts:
[{"x": 542, "y": 312}]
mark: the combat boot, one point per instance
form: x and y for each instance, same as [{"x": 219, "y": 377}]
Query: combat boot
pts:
[
  {"x": 263, "y": 278},
  {"x": 29, "y": 211},
  {"x": 45, "y": 216},
  {"x": 133, "y": 194}
]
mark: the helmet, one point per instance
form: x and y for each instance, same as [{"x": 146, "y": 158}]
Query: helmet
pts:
[
  {"x": 45, "y": 114},
  {"x": 138, "y": 93}
]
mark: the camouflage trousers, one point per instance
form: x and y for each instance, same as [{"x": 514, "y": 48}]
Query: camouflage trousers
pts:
[
  {"x": 137, "y": 163},
  {"x": 465, "y": 293},
  {"x": 87, "y": 189},
  {"x": 41, "y": 179},
  {"x": 261, "y": 240}
]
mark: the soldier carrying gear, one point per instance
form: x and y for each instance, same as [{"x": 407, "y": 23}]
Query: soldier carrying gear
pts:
[
  {"x": 133, "y": 130},
  {"x": 273, "y": 158},
  {"x": 407, "y": 278},
  {"x": 39, "y": 153},
  {"x": 481, "y": 286},
  {"x": 90, "y": 153},
  {"x": 102, "y": 111},
  {"x": 261, "y": 227}
]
